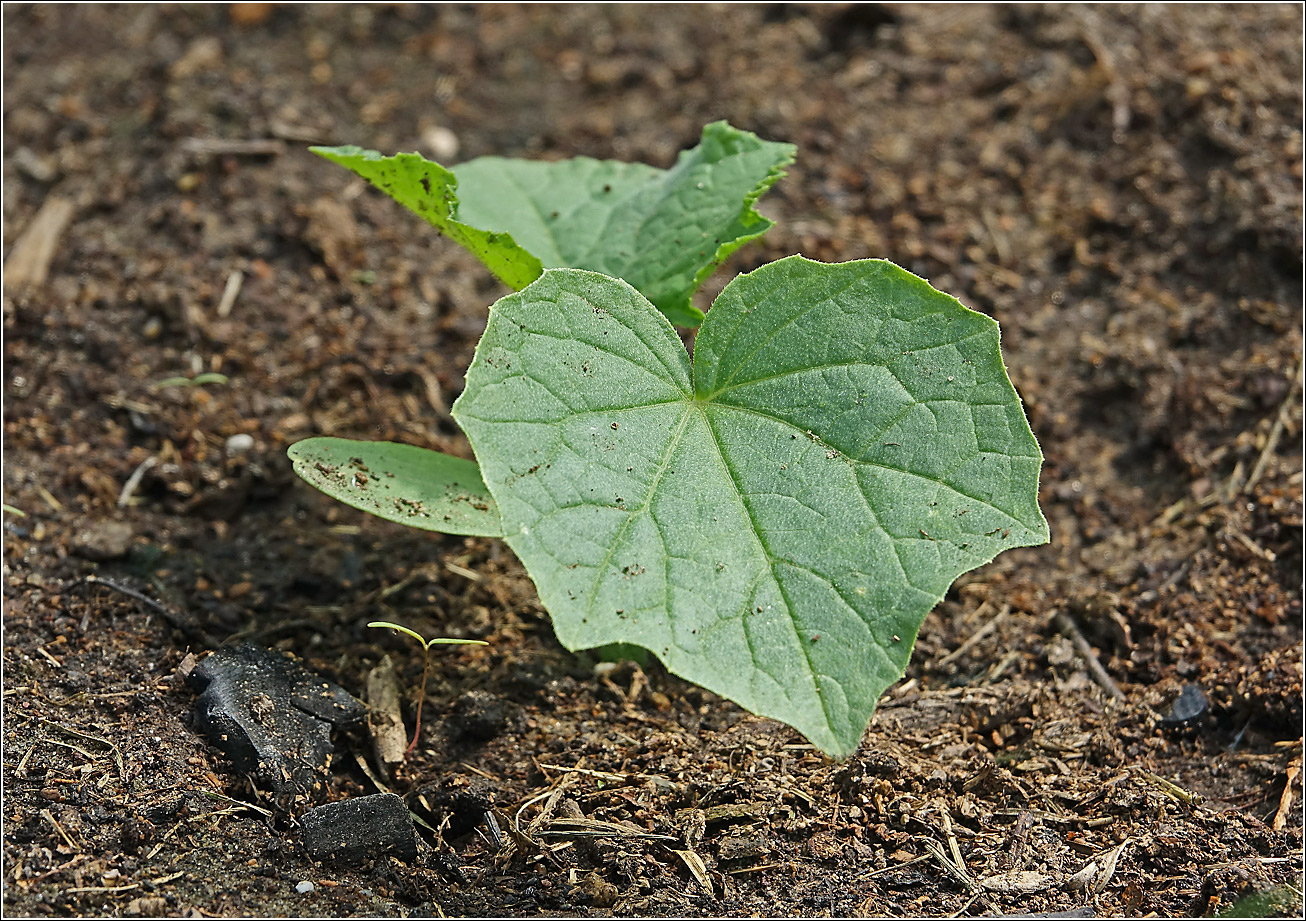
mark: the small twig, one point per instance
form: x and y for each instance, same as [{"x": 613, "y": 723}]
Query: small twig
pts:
[
  {"x": 45, "y": 814},
  {"x": 371, "y": 774},
  {"x": 957, "y": 872},
  {"x": 133, "y": 481},
  {"x": 1117, "y": 92},
  {"x": 127, "y": 888},
  {"x": 129, "y": 592},
  {"x": 78, "y": 858},
  {"x": 978, "y": 635},
  {"x": 21, "y": 770},
  {"x": 76, "y": 748},
  {"x": 953, "y": 846},
  {"x": 1256, "y": 549},
  {"x": 597, "y": 828},
  {"x": 230, "y": 293},
  {"x": 948, "y": 865},
  {"x": 492, "y": 826},
  {"x": 969, "y": 902},
  {"x": 213, "y": 794},
  {"x": 1174, "y": 791},
  {"x": 1285, "y": 799},
  {"x": 255, "y": 147},
  {"x": 50, "y": 500},
  {"x": 1170, "y": 582},
  {"x": 758, "y": 868},
  {"x": 867, "y": 874},
  {"x": 117, "y": 752},
  {"x": 1276, "y": 431},
  {"x": 1067, "y": 626},
  {"x": 475, "y": 770},
  {"x": 421, "y": 572},
  {"x": 516, "y": 818},
  {"x": 470, "y": 574}
]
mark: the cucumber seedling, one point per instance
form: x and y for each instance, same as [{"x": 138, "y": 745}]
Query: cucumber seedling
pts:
[
  {"x": 426, "y": 666},
  {"x": 772, "y": 519}
]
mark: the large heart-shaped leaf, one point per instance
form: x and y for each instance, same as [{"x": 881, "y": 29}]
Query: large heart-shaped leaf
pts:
[
  {"x": 774, "y": 522},
  {"x": 403, "y": 483},
  {"x": 661, "y": 230}
]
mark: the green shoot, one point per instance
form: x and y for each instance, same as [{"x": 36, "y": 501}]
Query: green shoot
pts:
[
  {"x": 426, "y": 665},
  {"x": 199, "y": 380}
]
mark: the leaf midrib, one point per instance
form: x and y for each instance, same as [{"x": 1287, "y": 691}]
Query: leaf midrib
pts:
[{"x": 770, "y": 563}]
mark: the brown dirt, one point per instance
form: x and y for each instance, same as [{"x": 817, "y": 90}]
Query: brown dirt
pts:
[{"x": 1120, "y": 187}]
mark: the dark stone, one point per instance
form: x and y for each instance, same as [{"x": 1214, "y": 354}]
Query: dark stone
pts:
[
  {"x": 1190, "y": 706},
  {"x": 745, "y": 846},
  {"x": 478, "y": 716},
  {"x": 272, "y": 717},
  {"x": 357, "y": 830},
  {"x": 881, "y": 764},
  {"x": 456, "y": 808}
]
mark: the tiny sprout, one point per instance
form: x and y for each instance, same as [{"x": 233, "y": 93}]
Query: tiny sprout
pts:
[
  {"x": 199, "y": 380},
  {"x": 426, "y": 664}
]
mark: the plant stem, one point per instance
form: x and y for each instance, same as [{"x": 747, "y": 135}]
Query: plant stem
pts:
[{"x": 417, "y": 720}]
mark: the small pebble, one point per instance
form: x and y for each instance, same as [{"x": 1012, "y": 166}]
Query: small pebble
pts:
[
  {"x": 441, "y": 142},
  {"x": 239, "y": 444},
  {"x": 1189, "y": 706},
  {"x": 103, "y": 540},
  {"x": 304, "y": 886}
]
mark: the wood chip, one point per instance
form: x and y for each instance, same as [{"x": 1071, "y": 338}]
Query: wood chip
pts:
[
  {"x": 1081, "y": 879},
  {"x": 1285, "y": 799},
  {"x": 696, "y": 868},
  {"x": 385, "y": 717},
  {"x": 1109, "y": 861},
  {"x": 28, "y": 264}
]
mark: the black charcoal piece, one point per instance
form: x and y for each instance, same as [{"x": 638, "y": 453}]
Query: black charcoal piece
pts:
[
  {"x": 1188, "y": 707},
  {"x": 272, "y": 717},
  {"x": 357, "y": 830}
]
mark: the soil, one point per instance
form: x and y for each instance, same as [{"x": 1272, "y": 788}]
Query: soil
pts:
[{"x": 1120, "y": 187}]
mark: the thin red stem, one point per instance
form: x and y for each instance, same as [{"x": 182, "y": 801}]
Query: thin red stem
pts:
[{"x": 417, "y": 723}]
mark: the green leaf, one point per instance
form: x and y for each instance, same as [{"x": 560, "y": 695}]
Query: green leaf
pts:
[
  {"x": 1276, "y": 902},
  {"x": 413, "y": 486},
  {"x": 774, "y": 522},
  {"x": 663, "y": 231},
  {"x": 427, "y": 644},
  {"x": 428, "y": 189}
]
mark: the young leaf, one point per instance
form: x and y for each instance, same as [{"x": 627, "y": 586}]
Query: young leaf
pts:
[
  {"x": 663, "y": 231},
  {"x": 426, "y": 644},
  {"x": 774, "y": 522},
  {"x": 428, "y": 189},
  {"x": 404, "y": 483}
]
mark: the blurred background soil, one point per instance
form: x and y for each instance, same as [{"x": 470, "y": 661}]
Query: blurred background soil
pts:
[{"x": 1120, "y": 187}]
